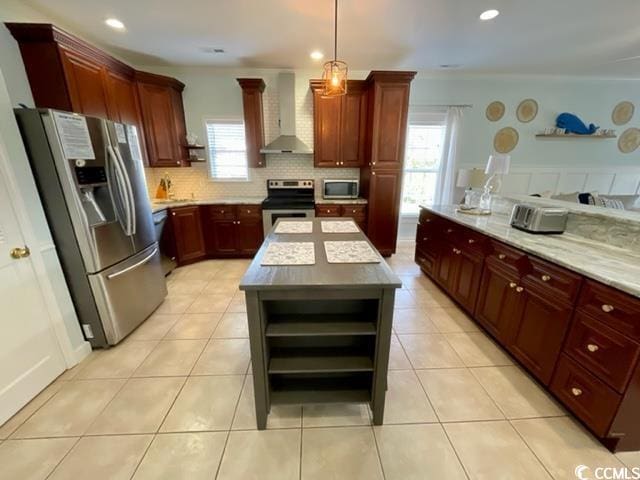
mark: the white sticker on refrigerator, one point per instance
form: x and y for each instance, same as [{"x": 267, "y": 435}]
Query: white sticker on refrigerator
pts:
[
  {"x": 74, "y": 136},
  {"x": 122, "y": 137}
]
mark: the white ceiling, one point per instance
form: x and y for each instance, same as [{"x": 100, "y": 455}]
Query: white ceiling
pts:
[{"x": 583, "y": 37}]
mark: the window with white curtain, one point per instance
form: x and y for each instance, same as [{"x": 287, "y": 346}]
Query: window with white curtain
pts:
[
  {"x": 227, "y": 150},
  {"x": 423, "y": 154}
]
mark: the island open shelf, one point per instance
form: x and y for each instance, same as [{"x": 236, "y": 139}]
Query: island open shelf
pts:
[{"x": 319, "y": 333}]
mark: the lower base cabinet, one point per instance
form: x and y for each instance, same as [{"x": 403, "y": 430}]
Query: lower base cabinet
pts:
[
  {"x": 356, "y": 211},
  {"x": 213, "y": 231},
  {"x": 579, "y": 338},
  {"x": 187, "y": 234},
  {"x": 232, "y": 230}
]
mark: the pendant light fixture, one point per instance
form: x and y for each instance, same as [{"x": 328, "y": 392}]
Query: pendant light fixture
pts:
[{"x": 335, "y": 71}]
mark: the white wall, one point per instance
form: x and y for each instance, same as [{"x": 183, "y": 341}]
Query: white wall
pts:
[{"x": 591, "y": 99}]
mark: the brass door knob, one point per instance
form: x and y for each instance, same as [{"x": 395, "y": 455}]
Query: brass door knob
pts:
[{"x": 20, "y": 252}]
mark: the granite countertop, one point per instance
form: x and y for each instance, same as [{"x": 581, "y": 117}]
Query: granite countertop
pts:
[
  {"x": 614, "y": 266},
  {"x": 333, "y": 201},
  {"x": 163, "y": 205}
]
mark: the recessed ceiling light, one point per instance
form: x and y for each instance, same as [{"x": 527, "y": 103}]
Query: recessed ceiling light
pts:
[
  {"x": 317, "y": 55},
  {"x": 114, "y": 23},
  {"x": 489, "y": 14}
]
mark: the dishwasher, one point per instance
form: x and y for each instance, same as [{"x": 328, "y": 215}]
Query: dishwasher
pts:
[{"x": 167, "y": 259}]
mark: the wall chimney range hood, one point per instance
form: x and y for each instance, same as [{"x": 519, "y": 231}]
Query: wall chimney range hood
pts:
[{"x": 287, "y": 142}]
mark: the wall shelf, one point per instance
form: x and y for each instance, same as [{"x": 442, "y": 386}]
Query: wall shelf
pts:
[{"x": 572, "y": 135}]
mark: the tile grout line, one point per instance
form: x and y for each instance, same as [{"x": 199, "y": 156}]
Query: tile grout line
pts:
[
  {"x": 530, "y": 449},
  {"x": 375, "y": 442},
  {"x": 63, "y": 457},
  {"x": 226, "y": 441},
  {"x": 453, "y": 447}
]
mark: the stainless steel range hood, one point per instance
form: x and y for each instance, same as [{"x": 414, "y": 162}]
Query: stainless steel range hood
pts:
[{"x": 287, "y": 142}]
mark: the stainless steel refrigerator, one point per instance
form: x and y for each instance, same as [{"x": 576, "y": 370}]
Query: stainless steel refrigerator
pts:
[{"x": 90, "y": 177}]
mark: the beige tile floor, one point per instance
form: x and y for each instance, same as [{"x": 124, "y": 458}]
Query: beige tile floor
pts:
[{"x": 175, "y": 400}]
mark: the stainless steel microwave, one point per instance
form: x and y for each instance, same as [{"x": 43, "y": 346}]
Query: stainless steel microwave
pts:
[{"x": 340, "y": 188}]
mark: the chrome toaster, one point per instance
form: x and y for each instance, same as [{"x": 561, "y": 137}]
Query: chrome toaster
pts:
[{"x": 533, "y": 219}]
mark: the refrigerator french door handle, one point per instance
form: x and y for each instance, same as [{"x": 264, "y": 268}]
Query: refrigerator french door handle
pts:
[
  {"x": 132, "y": 201},
  {"x": 121, "y": 176},
  {"x": 134, "y": 266}
]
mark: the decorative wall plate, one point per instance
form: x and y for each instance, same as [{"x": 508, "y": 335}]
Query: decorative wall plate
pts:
[
  {"x": 527, "y": 110},
  {"x": 505, "y": 140},
  {"x": 495, "y": 111},
  {"x": 629, "y": 141},
  {"x": 622, "y": 113}
]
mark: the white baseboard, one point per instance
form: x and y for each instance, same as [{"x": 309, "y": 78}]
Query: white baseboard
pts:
[{"x": 81, "y": 352}]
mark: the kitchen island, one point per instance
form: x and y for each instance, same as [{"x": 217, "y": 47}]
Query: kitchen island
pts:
[{"x": 319, "y": 333}]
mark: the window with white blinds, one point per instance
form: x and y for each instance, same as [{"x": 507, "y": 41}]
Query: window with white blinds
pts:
[{"x": 227, "y": 150}]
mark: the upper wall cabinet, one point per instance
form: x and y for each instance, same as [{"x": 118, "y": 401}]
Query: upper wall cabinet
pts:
[
  {"x": 164, "y": 124},
  {"x": 339, "y": 126},
  {"x": 252, "y": 89},
  {"x": 65, "y": 73}
]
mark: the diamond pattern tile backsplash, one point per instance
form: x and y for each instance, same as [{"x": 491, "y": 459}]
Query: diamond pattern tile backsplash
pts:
[{"x": 195, "y": 181}]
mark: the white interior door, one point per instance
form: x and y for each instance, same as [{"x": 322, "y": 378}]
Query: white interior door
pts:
[{"x": 30, "y": 356}]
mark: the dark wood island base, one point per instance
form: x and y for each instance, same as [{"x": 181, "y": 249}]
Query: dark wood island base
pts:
[{"x": 319, "y": 333}]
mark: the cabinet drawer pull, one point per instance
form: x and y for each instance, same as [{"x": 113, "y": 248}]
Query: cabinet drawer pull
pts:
[
  {"x": 607, "y": 308},
  {"x": 512, "y": 285},
  {"x": 545, "y": 278},
  {"x": 576, "y": 392},
  {"x": 519, "y": 289},
  {"x": 592, "y": 347},
  {"x": 471, "y": 241},
  {"x": 502, "y": 256}
]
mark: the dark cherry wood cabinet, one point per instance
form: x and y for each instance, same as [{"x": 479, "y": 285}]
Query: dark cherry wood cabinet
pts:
[
  {"x": 252, "y": 89},
  {"x": 233, "y": 230},
  {"x": 539, "y": 330},
  {"x": 384, "y": 190},
  {"x": 356, "y": 211},
  {"x": 497, "y": 306},
  {"x": 381, "y": 179},
  {"x": 578, "y": 337},
  {"x": 160, "y": 99},
  {"x": 339, "y": 126},
  {"x": 186, "y": 224},
  {"x": 66, "y": 73}
]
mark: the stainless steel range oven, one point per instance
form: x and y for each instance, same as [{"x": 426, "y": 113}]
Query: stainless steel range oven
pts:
[{"x": 287, "y": 199}]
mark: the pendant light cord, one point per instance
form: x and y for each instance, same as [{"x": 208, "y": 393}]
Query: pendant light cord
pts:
[{"x": 335, "y": 33}]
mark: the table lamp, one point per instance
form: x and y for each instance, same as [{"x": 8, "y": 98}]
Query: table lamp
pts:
[
  {"x": 497, "y": 165},
  {"x": 469, "y": 178}
]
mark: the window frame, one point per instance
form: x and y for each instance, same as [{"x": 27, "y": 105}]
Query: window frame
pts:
[
  {"x": 422, "y": 117},
  {"x": 224, "y": 120}
]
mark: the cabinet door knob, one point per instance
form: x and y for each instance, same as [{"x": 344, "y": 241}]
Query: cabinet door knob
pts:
[
  {"x": 353, "y": 211},
  {"x": 592, "y": 347},
  {"x": 428, "y": 220},
  {"x": 576, "y": 392},
  {"x": 519, "y": 289},
  {"x": 177, "y": 163},
  {"x": 373, "y": 163},
  {"x": 472, "y": 241},
  {"x": 238, "y": 222},
  {"x": 502, "y": 256},
  {"x": 512, "y": 285},
  {"x": 373, "y": 173},
  {"x": 221, "y": 211},
  {"x": 545, "y": 278},
  {"x": 449, "y": 230},
  {"x": 607, "y": 308},
  {"x": 328, "y": 211},
  {"x": 173, "y": 213},
  {"x": 424, "y": 239}
]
